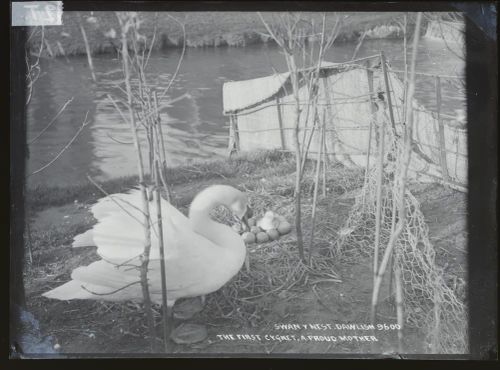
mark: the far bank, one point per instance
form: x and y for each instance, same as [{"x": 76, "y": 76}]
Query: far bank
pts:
[{"x": 203, "y": 29}]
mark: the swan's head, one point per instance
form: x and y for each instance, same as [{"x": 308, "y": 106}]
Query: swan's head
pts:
[
  {"x": 235, "y": 200},
  {"x": 241, "y": 208}
]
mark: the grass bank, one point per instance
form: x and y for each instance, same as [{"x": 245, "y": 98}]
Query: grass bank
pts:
[
  {"x": 240, "y": 166},
  {"x": 271, "y": 169},
  {"x": 203, "y": 29},
  {"x": 276, "y": 288}
]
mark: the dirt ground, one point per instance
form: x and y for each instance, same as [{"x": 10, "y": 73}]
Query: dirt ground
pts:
[{"x": 92, "y": 327}]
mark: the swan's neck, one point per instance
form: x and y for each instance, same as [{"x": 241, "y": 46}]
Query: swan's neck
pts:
[{"x": 203, "y": 204}]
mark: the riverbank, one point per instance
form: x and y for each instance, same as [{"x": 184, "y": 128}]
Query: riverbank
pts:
[
  {"x": 55, "y": 216},
  {"x": 203, "y": 29}
]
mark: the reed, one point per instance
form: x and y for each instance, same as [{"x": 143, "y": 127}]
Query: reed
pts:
[{"x": 402, "y": 173}]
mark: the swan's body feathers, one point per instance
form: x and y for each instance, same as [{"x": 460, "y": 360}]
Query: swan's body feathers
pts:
[
  {"x": 195, "y": 265},
  {"x": 84, "y": 240}
]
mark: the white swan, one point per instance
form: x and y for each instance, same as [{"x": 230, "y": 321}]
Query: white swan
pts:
[{"x": 201, "y": 255}]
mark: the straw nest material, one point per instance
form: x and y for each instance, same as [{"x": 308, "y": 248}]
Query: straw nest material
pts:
[{"x": 275, "y": 266}]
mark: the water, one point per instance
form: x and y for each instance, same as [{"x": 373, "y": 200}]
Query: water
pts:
[{"x": 196, "y": 126}]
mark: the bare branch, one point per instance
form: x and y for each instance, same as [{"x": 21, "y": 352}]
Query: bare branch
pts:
[
  {"x": 153, "y": 40},
  {"x": 87, "y": 49},
  {"x": 358, "y": 46},
  {"x": 125, "y": 21},
  {"x": 123, "y": 264},
  {"x": 84, "y": 124},
  {"x": 273, "y": 35},
  {"x": 116, "y": 201},
  {"x": 52, "y": 121},
  {"x": 165, "y": 105},
  {"x": 181, "y": 58},
  {"x": 118, "y": 109},
  {"x": 35, "y": 29},
  {"x": 119, "y": 141},
  {"x": 33, "y": 70},
  {"x": 113, "y": 291}
]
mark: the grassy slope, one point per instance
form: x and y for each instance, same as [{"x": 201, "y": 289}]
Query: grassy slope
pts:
[
  {"x": 202, "y": 29},
  {"x": 268, "y": 178},
  {"x": 259, "y": 164}
]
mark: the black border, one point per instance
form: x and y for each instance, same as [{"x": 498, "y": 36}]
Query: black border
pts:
[
  {"x": 482, "y": 100},
  {"x": 482, "y": 103}
]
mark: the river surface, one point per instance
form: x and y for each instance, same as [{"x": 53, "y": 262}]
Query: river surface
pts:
[{"x": 196, "y": 128}]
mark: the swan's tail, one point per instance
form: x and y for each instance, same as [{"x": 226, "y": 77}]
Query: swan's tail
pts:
[
  {"x": 84, "y": 240},
  {"x": 120, "y": 239},
  {"x": 100, "y": 280},
  {"x": 71, "y": 290}
]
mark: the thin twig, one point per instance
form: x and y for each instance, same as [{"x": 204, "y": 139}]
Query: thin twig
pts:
[
  {"x": 116, "y": 202},
  {"x": 125, "y": 24},
  {"x": 153, "y": 40},
  {"x": 87, "y": 49},
  {"x": 358, "y": 46},
  {"x": 84, "y": 124},
  {"x": 118, "y": 109},
  {"x": 52, "y": 121},
  {"x": 113, "y": 291},
  {"x": 279, "y": 41},
  {"x": 181, "y": 58},
  {"x": 166, "y": 326},
  {"x": 119, "y": 141},
  {"x": 35, "y": 66},
  {"x": 165, "y": 105}
]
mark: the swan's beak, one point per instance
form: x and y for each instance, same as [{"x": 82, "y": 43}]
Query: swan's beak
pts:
[{"x": 248, "y": 214}]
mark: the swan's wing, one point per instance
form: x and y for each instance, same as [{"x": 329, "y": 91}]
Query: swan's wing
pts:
[
  {"x": 198, "y": 268},
  {"x": 100, "y": 280},
  {"x": 194, "y": 264},
  {"x": 107, "y": 207},
  {"x": 132, "y": 202},
  {"x": 120, "y": 239},
  {"x": 84, "y": 240},
  {"x": 129, "y": 203}
]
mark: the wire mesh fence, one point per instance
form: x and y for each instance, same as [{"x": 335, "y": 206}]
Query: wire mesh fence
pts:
[
  {"x": 430, "y": 302},
  {"x": 355, "y": 101}
]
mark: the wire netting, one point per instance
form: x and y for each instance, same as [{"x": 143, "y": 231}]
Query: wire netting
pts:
[{"x": 430, "y": 303}]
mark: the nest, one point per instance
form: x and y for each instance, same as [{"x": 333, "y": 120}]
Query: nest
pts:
[{"x": 275, "y": 267}]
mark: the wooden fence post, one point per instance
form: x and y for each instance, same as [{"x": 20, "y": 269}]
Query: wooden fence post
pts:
[
  {"x": 387, "y": 90},
  {"x": 234, "y": 140},
  {"x": 326, "y": 87},
  {"x": 380, "y": 179},
  {"x": 280, "y": 122},
  {"x": 369, "y": 76}
]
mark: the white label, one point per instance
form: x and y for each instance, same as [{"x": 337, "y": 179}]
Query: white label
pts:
[{"x": 37, "y": 13}]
